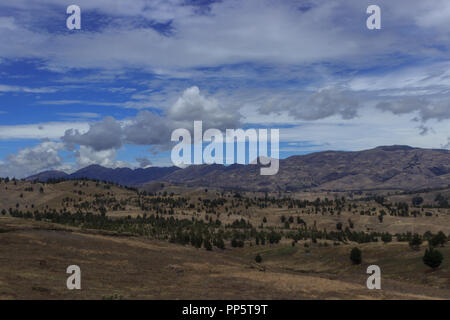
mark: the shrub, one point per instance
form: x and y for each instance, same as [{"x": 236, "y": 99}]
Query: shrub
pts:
[
  {"x": 432, "y": 258},
  {"x": 235, "y": 243},
  {"x": 415, "y": 242},
  {"x": 220, "y": 243},
  {"x": 356, "y": 256},
  {"x": 207, "y": 244},
  {"x": 417, "y": 201},
  {"x": 439, "y": 239},
  {"x": 274, "y": 237},
  {"x": 386, "y": 237}
]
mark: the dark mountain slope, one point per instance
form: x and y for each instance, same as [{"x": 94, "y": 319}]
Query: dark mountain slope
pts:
[
  {"x": 395, "y": 167},
  {"x": 387, "y": 167},
  {"x": 46, "y": 175}
]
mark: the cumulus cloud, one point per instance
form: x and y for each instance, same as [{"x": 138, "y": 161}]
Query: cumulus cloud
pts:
[
  {"x": 193, "y": 106},
  {"x": 27, "y": 161},
  {"x": 147, "y": 128},
  {"x": 86, "y": 156},
  {"x": 150, "y": 128},
  {"x": 102, "y": 135}
]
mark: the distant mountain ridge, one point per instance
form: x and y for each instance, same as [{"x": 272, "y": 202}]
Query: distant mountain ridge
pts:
[
  {"x": 123, "y": 176},
  {"x": 385, "y": 167},
  {"x": 46, "y": 175}
]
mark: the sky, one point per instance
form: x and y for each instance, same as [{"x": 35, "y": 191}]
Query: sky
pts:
[{"x": 112, "y": 92}]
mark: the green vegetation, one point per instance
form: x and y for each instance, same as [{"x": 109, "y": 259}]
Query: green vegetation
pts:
[
  {"x": 415, "y": 242},
  {"x": 432, "y": 258},
  {"x": 356, "y": 256}
]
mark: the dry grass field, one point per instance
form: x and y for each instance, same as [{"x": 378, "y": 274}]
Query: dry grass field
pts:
[
  {"x": 118, "y": 265},
  {"x": 35, "y": 256}
]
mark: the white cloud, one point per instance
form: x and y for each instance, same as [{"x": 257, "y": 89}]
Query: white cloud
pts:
[
  {"x": 229, "y": 32},
  {"x": 270, "y": 62},
  {"x": 447, "y": 145},
  {"x": 38, "y": 131},
  {"x": 8, "y": 88},
  {"x": 102, "y": 135},
  {"x": 193, "y": 106},
  {"x": 149, "y": 128},
  {"x": 83, "y": 115},
  {"x": 30, "y": 160},
  {"x": 86, "y": 156},
  {"x": 369, "y": 130},
  {"x": 433, "y": 77},
  {"x": 68, "y": 102}
]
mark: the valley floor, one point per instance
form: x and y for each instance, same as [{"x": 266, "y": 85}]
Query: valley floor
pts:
[{"x": 35, "y": 255}]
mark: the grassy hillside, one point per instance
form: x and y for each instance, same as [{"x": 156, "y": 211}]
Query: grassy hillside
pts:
[{"x": 133, "y": 244}]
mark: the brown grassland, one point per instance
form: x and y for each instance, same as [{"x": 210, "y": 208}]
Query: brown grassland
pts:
[{"x": 122, "y": 265}]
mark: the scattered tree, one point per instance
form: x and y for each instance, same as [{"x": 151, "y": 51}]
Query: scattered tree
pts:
[
  {"x": 356, "y": 256},
  {"x": 415, "y": 242},
  {"x": 432, "y": 258},
  {"x": 438, "y": 239}
]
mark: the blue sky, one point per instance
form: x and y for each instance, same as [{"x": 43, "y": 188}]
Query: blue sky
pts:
[{"x": 112, "y": 92}]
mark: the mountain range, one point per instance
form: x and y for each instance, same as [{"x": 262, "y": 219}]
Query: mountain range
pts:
[
  {"x": 386, "y": 167},
  {"x": 123, "y": 176}
]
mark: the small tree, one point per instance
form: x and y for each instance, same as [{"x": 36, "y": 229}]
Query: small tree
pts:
[
  {"x": 102, "y": 210},
  {"x": 386, "y": 237},
  {"x": 432, "y": 258},
  {"x": 439, "y": 239},
  {"x": 207, "y": 244},
  {"x": 415, "y": 242},
  {"x": 417, "y": 201},
  {"x": 356, "y": 256},
  {"x": 258, "y": 258},
  {"x": 220, "y": 243}
]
